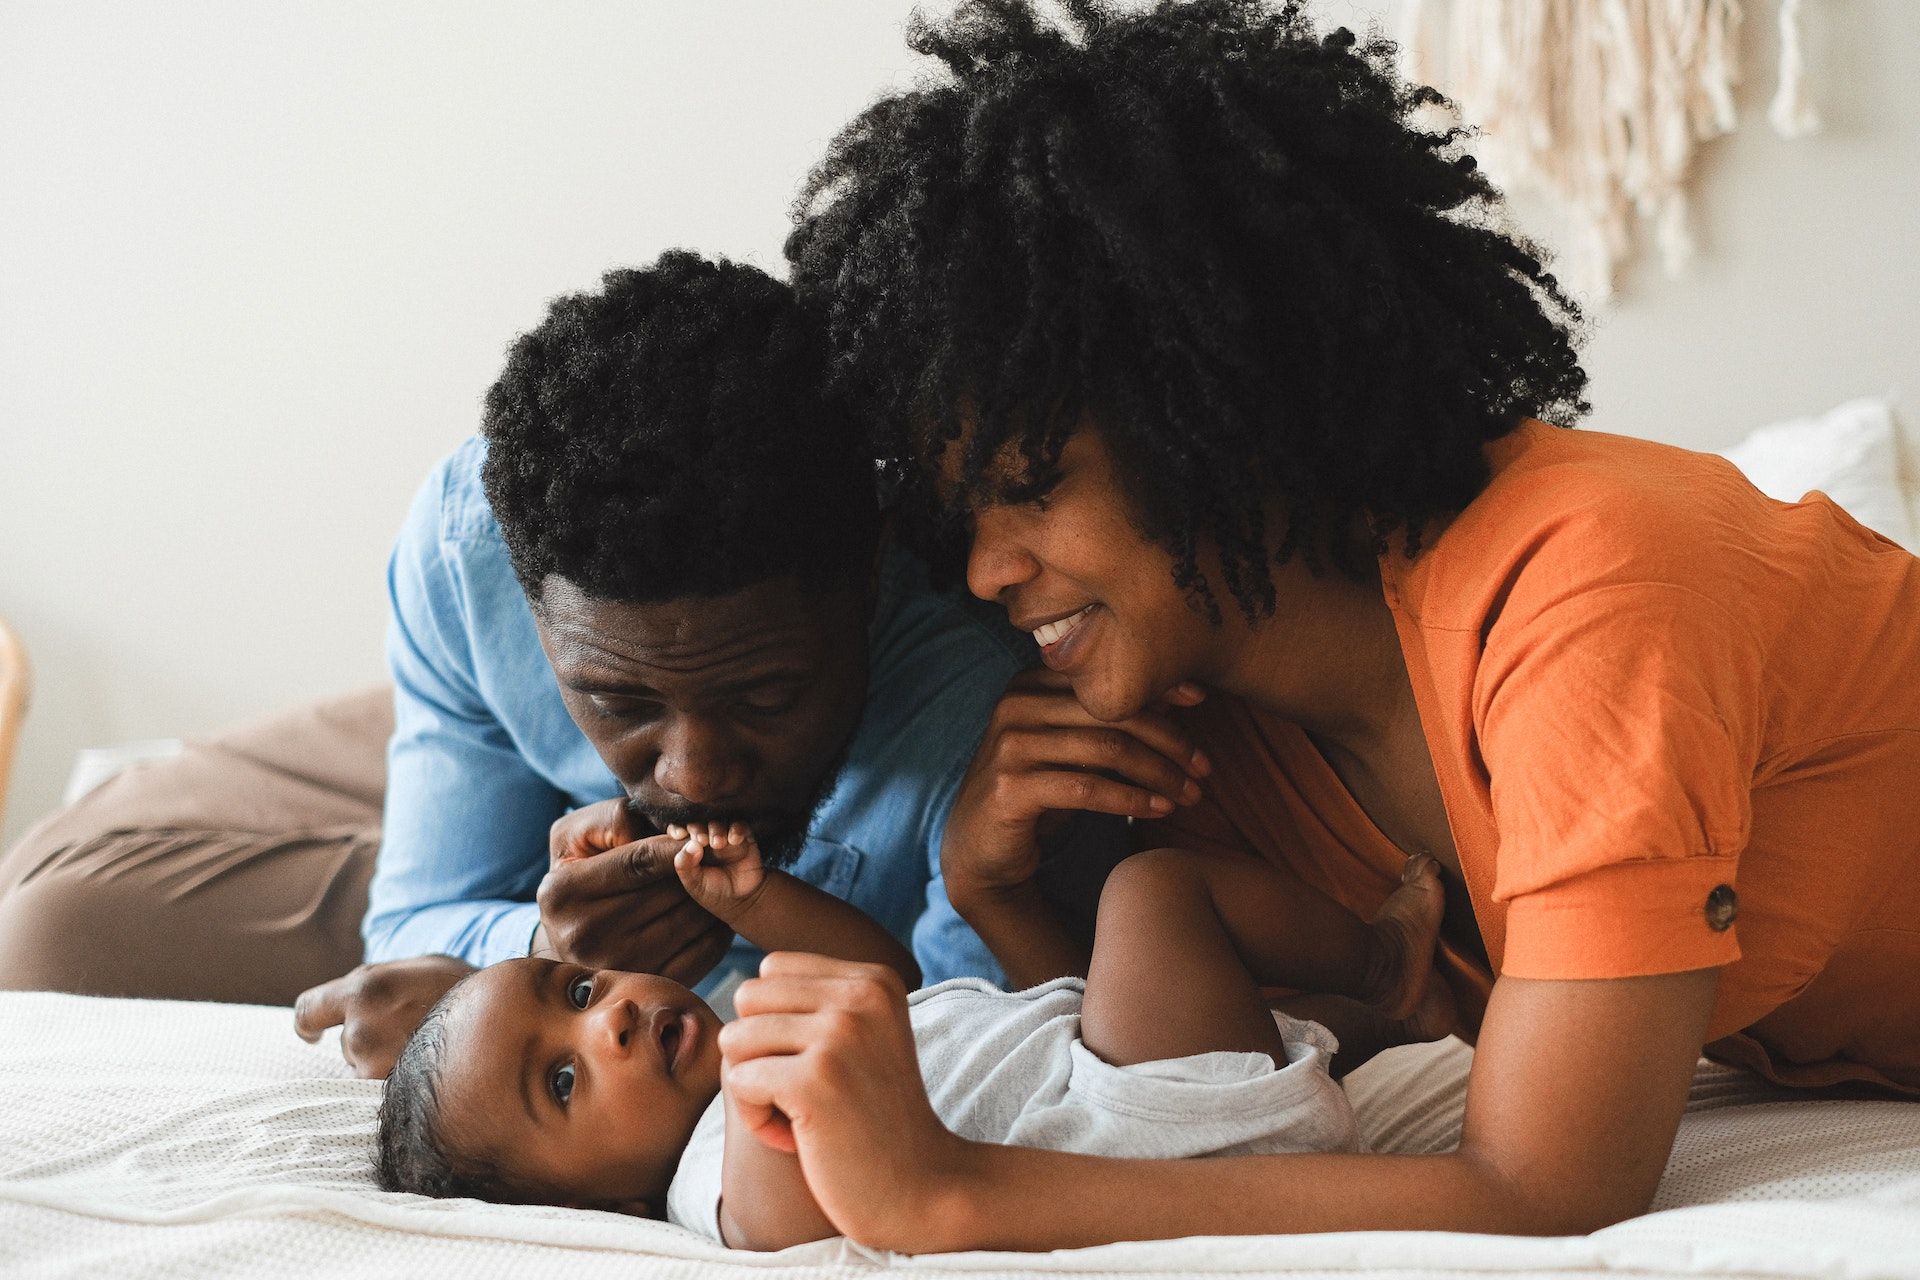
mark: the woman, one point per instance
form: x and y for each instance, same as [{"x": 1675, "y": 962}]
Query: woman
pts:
[{"x": 1239, "y": 389}]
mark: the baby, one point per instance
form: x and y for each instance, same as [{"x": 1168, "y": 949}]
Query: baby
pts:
[{"x": 540, "y": 1082}]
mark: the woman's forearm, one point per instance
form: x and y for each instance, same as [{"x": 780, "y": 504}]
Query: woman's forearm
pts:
[
  {"x": 1577, "y": 1092},
  {"x": 1092, "y": 1200}
]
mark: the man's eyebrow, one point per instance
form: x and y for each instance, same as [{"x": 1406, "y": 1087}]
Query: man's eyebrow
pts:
[
  {"x": 765, "y": 679},
  {"x": 615, "y": 687}
]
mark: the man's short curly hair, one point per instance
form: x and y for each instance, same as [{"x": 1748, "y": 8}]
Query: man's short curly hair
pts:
[
  {"x": 1230, "y": 241},
  {"x": 671, "y": 436}
]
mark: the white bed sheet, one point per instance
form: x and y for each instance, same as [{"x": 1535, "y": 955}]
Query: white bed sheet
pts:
[{"x": 154, "y": 1138}]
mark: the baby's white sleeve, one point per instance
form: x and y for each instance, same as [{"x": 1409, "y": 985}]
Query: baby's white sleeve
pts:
[{"x": 693, "y": 1198}]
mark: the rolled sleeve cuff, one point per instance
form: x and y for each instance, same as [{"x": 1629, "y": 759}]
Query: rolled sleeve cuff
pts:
[
  {"x": 1628, "y": 920},
  {"x": 509, "y": 934}
]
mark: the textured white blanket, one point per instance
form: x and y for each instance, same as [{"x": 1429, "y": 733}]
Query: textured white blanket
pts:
[{"x": 149, "y": 1138}]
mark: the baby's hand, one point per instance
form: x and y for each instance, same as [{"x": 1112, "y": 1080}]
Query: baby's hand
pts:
[{"x": 720, "y": 866}]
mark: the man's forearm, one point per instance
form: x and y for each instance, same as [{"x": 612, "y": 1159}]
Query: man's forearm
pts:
[{"x": 479, "y": 932}]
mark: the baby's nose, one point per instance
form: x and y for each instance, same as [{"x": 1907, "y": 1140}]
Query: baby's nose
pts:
[{"x": 619, "y": 1023}]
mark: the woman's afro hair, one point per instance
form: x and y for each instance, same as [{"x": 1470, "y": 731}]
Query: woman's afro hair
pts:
[
  {"x": 671, "y": 436},
  {"x": 1227, "y": 240}
]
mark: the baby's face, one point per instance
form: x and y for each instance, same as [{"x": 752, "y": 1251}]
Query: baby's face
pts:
[{"x": 583, "y": 1082}]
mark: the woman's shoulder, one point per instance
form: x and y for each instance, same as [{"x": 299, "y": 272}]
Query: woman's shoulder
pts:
[
  {"x": 1568, "y": 511},
  {"x": 1626, "y": 495}
]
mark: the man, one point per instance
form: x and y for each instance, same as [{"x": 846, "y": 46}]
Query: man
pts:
[{"x": 658, "y": 592}]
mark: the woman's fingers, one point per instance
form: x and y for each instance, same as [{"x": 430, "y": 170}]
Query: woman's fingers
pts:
[
  {"x": 1109, "y": 749},
  {"x": 755, "y": 1088},
  {"x": 1037, "y": 791},
  {"x": 808, "y": 964},
  {"x": 764, "y": 1034},
  {"x": 1185, "y": 694},
  {"x": 798, "y": 982},
  {"x": 1042, "y": 707}
]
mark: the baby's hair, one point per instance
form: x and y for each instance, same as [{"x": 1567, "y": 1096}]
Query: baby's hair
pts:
[{"x": 413, "y": 1152}]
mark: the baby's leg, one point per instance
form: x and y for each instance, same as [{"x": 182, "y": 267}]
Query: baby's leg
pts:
[{"x": 1186, "y": 940}]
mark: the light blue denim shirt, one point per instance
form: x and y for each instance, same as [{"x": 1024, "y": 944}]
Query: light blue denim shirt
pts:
[{"x": 484, "y": 756}]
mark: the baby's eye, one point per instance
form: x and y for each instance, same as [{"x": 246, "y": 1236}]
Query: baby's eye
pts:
[
  {"x": 580, "y": 991},
  {"x": 561, "y": 1083}
]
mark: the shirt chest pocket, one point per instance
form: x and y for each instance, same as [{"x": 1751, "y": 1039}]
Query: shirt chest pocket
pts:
[{"x": 829, "y": 865}]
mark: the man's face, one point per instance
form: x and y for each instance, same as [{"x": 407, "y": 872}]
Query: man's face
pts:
[{"x": 734, "y": 708}]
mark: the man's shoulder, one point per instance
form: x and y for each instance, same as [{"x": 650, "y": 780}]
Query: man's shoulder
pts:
[
  {"x": 929, "y": 638},
  {"x": 454, "y": 501},
  {"x": 450, "y": 562}
]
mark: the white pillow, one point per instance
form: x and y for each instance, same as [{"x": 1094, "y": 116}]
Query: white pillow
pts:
[{"x": 1851, "y": 454}]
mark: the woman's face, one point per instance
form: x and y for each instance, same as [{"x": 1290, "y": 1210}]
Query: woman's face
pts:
[{"x": 1099, "y": 598}]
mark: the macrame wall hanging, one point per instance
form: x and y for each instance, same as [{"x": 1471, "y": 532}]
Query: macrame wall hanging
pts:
[{"x": 1601, "y": 104}]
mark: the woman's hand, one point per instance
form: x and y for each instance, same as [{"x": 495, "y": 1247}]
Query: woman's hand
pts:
[
  {"x": 822, "y": 1062},
  {"x": 1043, "y": 755}
]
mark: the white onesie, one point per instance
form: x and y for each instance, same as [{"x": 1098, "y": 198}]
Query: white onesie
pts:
[{"x": 1009, "y": 1067}]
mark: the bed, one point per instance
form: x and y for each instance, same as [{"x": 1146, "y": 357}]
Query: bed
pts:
[{"x": 161, "y": 1138}]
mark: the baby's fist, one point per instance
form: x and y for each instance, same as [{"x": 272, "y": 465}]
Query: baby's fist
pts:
[{"x": 720, "y": 866}]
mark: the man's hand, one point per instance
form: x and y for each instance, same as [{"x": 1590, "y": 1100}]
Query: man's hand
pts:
[
  {"x": 1042, "y": 755},
  {"x": 611, "y": 901},
  {"x": 379, "y": 1006},
  {"x": 822, "y": 1062}
]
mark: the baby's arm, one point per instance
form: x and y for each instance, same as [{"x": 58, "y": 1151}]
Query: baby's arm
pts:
[
  {"x": 764, "y": 1201},
  {"x": 722, "y": 871}
]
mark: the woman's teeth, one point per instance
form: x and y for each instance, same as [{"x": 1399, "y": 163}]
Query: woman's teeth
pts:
[{"x": 1053, "y": 632}]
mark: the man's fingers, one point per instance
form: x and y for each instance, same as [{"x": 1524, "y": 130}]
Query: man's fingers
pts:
[
  {"x": 318, "y": 1008},
  {"x": 694, "y": 953},
  {"x": 590, "y": 830},
  {"x": 615, "y": 871}
]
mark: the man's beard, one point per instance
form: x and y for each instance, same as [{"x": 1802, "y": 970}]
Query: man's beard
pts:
[{"x": 781, "y": 834}]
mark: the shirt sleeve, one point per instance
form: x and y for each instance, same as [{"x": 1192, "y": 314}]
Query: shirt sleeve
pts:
[
  {"x": 1619, "y": 728},
  {"x": 944, "y": 944},
  {"x": 464, "y": 839}
]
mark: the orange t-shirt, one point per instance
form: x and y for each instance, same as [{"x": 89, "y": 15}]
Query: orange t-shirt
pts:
[{"x": 1676, "y": 725}]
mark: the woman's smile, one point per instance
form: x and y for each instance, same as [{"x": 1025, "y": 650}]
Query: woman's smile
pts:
[{"x": 1063, "y": 644}]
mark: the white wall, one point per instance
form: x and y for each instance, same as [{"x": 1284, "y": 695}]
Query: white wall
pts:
[{"x": 258, "y": 264}]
